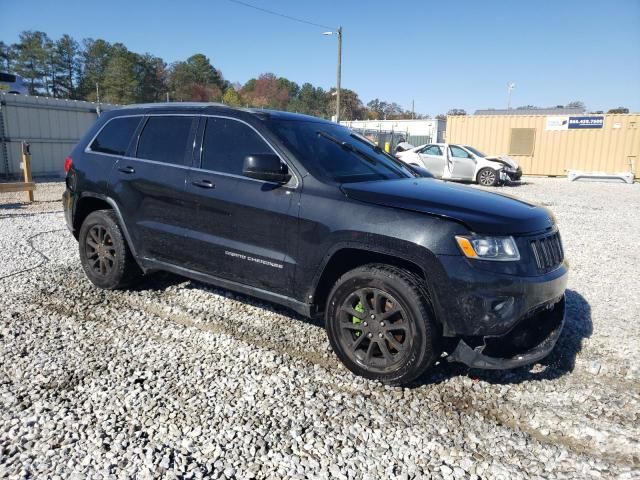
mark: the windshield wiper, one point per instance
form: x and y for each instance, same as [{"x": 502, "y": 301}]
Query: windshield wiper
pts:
[
  {"x": 379, "y": 150},
  {"x": 348, "y": 146},
  {"x": 375, "y": 147}
]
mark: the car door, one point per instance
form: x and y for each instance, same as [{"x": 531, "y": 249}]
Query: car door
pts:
[
  {"x": 111, "y": 142},
  {"x": 242, "y": 229},
  {"x": 463, "y": 163},
  {"x": 433, "y": 158},
  {"x": 149, "y": 186}
]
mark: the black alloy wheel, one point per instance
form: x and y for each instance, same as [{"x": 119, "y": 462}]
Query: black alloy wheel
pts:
[
  {"x": 100, "y": 250},
  {"x": 381, "y": 325},
  {"x": 104, "y": 253},
  {"x": 373, "y": 329}
]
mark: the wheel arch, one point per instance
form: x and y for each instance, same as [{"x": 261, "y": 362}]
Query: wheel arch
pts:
[
  {"x": 90, "y": 202},
  {"x": 347, "y": 257}
]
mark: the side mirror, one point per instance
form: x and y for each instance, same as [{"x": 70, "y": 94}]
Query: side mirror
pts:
[{"x": 267, "y": 167}]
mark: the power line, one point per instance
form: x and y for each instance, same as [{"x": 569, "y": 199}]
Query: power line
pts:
[{"x": 288, "y": 17}]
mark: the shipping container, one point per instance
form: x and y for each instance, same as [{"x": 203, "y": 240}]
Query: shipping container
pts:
[{"x": 553, "y": 144}]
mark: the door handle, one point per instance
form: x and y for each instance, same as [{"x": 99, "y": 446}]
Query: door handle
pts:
[
  {"x": 127, "y": 170},
  {"x": 204, "y": 184}
]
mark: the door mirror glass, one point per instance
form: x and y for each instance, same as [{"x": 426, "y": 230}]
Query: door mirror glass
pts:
[{"x": 267, "y": 167}]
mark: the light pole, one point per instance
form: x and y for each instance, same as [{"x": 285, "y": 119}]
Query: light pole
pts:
[
  {"x": 339, "y": 72},
  {"x": 510, "y": 87}
]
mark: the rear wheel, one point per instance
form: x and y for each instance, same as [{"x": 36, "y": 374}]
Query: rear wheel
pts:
[
  {"x": 381, "y": 325},
  {"x": 488, "y": 177},
  {"x": 104, "y": 253}
]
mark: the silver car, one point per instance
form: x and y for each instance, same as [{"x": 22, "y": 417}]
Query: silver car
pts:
[{"x": 462, "y": 162}]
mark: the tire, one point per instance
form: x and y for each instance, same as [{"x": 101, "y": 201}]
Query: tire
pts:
[
  {"x": 394, "y": 348},
  {"x": 488, "y": 177},
  {"x": 104, "y": 253}
]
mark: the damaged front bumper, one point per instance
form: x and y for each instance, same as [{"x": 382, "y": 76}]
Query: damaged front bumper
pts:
[{"x": 530, "y": 340}]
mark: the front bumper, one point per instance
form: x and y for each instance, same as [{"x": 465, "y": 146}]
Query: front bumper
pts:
[
  {"x": 472, "y": 301},
  {"x": 529, "y": 341},
  {"x": 515, "y": 175}
]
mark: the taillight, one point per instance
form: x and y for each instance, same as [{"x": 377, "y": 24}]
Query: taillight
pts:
[{"x": 67, "y": 164}]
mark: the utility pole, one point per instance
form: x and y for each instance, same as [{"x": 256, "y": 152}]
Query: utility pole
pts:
[
  {"x": 338, "y": 32},
  {"x": 413, "y": 109},
  {"x": 510, "y": 87},
  {"x": 339, "y": 74},
  {"x": 98, "y": 99}
]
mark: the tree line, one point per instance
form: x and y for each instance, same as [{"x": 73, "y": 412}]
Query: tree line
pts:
[{"x": 94, "y": 69}]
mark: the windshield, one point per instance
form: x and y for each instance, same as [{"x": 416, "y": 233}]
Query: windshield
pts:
[
  {"x": 336, "y": 154},
  {"x": 475, "y": 151}
]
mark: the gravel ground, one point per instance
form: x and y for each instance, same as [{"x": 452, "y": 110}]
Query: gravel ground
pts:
[{"x": 182, "y": 380}]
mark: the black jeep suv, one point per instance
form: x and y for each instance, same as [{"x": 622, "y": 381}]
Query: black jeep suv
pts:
[{"x": 308, "y": 214}]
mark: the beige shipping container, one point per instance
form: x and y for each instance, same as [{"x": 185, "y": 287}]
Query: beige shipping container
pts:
[{"x": 543, "y": 145}]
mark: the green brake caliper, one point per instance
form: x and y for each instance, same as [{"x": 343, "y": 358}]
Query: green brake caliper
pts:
[{"x": 355, "y": 320}]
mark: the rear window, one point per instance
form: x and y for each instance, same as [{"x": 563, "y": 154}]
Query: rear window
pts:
[
  {"x": 165, "y": 139},
  {"x": 114, "y": 138}
]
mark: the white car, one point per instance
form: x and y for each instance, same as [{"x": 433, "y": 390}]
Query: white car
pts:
[{"x": 462, "y": 162}]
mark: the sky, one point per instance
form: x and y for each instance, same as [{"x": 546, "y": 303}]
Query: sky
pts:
[{"x": 441, "y": 55}]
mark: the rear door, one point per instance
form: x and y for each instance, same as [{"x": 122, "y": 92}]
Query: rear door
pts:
[
  {"x": 433, "y": 158},
  {"x": 149, "y": 185},
  {"x": 463, "y": 163},
  {"x": 112, "y": 142},
  {"x": 242, "y": 229}
]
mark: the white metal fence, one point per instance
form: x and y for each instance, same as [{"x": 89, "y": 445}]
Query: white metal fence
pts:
[{"x": 51, "y": 126}]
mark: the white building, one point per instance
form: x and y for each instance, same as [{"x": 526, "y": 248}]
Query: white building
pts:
[{"x": 416, "y": 132}]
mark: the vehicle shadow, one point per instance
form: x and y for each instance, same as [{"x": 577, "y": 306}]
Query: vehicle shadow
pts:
[
  {"x": 578, "y": 326},
  {"x": 508, "y": 184},
  {"x": 518, "y": 183},
  {"x": 561, "y": 361},
  {"x": 20, "y": 205},
  {"x": 160, "y": 281}
]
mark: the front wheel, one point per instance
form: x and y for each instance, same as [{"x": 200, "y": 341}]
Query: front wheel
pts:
[
  {"x": 488, "y": 177},
  {"x": 381, "y": 325}
]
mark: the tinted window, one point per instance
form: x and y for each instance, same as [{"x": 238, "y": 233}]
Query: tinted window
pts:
[
  {"x": 337, "y": 154},
  {"x": 227, "y": 142},
  {"x": 114, "y": 138},
  {"x": 164, "y": 139},
  {"x": 7, "y": 77},
  {"x": 458, "y": 152}
]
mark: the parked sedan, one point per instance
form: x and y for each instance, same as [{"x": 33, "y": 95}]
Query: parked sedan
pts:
[{"x": 462, "y": 162}]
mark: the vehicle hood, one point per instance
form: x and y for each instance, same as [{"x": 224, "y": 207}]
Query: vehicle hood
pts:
[
  {"x": 480, "y": 211},
  {"x": 508, "y": 161}
]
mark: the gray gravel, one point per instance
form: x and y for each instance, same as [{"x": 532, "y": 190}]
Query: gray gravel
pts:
[{"x": 182, "y": 380}]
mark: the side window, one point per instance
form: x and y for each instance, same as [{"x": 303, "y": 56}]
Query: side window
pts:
[
  {"x": 227, "y": 142},
  {"x": 458, "y": 152},
  {"x": 114, "y": 138},
  {"x": 165, "y": 139},
  {"x": 432, "y": 150}
]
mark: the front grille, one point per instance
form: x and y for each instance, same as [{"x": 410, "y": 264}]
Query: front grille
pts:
[{"x": 547, "y": 252}]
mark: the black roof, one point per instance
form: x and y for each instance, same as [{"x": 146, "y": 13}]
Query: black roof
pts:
[{"x": 204, "y": 106}]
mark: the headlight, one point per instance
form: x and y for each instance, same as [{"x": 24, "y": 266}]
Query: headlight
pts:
[{"x": 500, "y": 249}]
